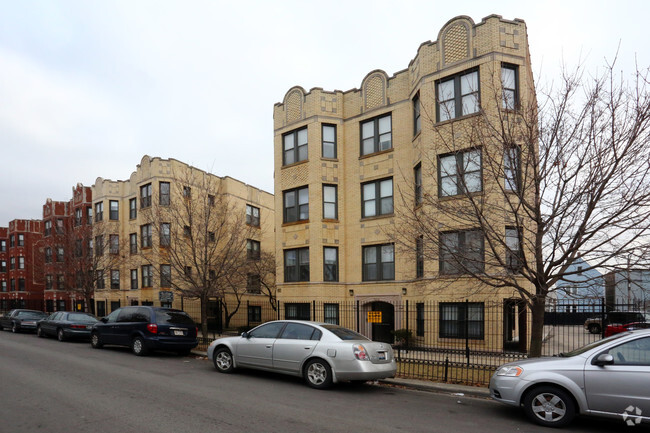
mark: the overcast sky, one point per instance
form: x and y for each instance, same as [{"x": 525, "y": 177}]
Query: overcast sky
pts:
[{"x": 89, "y": 87}]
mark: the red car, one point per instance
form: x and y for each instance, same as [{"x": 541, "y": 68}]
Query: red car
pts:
[{"x": 615, "y": 329}]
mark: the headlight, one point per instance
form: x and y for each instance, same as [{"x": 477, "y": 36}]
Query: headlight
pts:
[{"x": 512, "y": 371}]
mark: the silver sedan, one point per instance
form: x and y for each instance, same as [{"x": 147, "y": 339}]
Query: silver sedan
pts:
[
  {"x": 609, "y": 378},
  {"x": 321, "y": 353}
]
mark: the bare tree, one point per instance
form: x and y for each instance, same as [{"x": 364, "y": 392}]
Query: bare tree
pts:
[
  {"x": 203, "y": 240},
  {"x": 536, "y": 187}
]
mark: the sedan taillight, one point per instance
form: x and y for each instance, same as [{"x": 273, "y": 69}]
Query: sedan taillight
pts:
[
  {"x": 360, "y": 352},
  {"x": 153, "y": 328}
]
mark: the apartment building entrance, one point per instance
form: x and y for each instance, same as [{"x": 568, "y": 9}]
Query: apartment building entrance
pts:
[{"x": 383, "y": 330}]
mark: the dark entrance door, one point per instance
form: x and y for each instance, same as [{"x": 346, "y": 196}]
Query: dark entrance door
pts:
[
  {"x": 515, "y": 325},
  {"x": 383, "y": 331}
]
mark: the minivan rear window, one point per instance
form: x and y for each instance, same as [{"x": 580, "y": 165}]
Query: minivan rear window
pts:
[{"x": 173, "y": 317}]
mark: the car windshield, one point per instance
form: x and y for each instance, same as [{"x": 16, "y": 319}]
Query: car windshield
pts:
[
  {"x": 85, "y": 318},
  {"x": 173, "y": 317},
  {"x": 590, "y": 346},
  {"x": 30, "y": 315},
  {"x": 345, "y": 333}
]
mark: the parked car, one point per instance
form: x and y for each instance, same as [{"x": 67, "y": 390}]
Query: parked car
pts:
[
  {"x": 321, "y": 353},
  {"x": 615, "y": 329},
  {"x": 66, "y": 325},
  {"x": 595, "y": 326},
  {"x": 21, "y": 320},
  {"x": 145, "y": 328},
  {"x": 609, "y": 378}
]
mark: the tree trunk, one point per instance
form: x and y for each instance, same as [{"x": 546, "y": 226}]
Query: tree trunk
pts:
[{"x": 537, "y": 328}]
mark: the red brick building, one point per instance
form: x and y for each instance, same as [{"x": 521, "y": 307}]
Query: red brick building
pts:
[{"x": 23, "y": 276}]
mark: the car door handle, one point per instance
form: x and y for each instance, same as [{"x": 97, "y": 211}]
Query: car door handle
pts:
[
  {"x": 268, "y": 346},
  {"x": 307, "y": 347}
]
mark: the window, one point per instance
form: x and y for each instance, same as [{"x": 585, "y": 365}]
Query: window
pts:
[
  {"x": 252, "y": 249},
  {"x": 377, "y": 198},
  {"x": 115, "y": 279},
  {"x": 510, "y": 83},
  {"x": 254, "y": 314},
  {"x": 417, "y": 187},
  {"x": 145, "y": 196},
  {"x": 187, "y": 192},
  {"x": 635, "y": 352},
  {"x": 49, "y": 282},
  {"x": 378, "y": 262},
  {"x": 165, "y": 198},
  {"x": 419, "y": 319},
  {"x": 13, "y": 285},
  {"x": 461, "y": 252},
  {"x": 48, "y": 255},
  {"x": 114, "y": 244},
  {"x": 99, "y": 245},
  {"x": 376, "y": 135},
  {"x": 59, "y": 256},
  {"x": 294, "y": 311},
  {"x": 459, "y": 173},
  {"x": 296, "y": 265},
  {"x": 60, "y": 282},
  {"x": 113, "y": 210},
  {"x": 133, "y": 208},
  {"x": 165, "y": 275},
  {"x": 59, "y": 228},
  {"x": 12, "y": 263},
  {"x": 99, "y": 211},
  {"x": 252, "y": 216},
  {"x": 419, "y": 257},
  {"x": 457, "y": 96},
  {"x": 329, "y": 141},
  {"x": 147, "y": 275},
  {"x": 134, "y": 279},
  {"x": 511, "y": 168},
  {"x": 188, "y": 271},
  {"x": 165, "y": 234},
  {"x": 21, "y": 240},
  {"x": 3, "y": 246},
  {"x": 330, "y": 264},
  {"x": 417, "y": 125},
  {"x": 253, "y": 283},
  {"x": 462, "y": 320},
  {"x": 187, "y": 231},
  {"x": 331, "y": 313},
  {"x": 330, "y": 199},
  {"x": 3, "y": 285},
  {"x": 77, "y": 217},
  {"x": 212, "y": 236},
  {"x": 145, "y": 236},
  {"x": 133, "y": 243},
  {"x": 513, "y": 249},
  {"x": 3, "y": 265},
  {"x": 99, "y": 279},
  {"x": 21, "y": 259},
  {"x": 89, "y": 248},
  {"x": 12, "y": 240},
  {"x": 296, "y": 205},
  {"x": 294, "y": 146},
  {"x": 89, "y": 215},
  {"x": 211, "y": 200}
]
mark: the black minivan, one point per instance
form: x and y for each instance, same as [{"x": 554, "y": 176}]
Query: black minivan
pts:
[{"x": 145, "y": 328}]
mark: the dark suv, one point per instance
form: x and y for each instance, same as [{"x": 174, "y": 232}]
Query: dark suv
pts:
[{"x": 144, "y": 328}]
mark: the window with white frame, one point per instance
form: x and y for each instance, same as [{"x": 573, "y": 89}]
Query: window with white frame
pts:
[
  {"x": 329, "y": 141},
  {"x": 294, "y": 145},
  {"x": 165, "y": 194},
  {"x": 330, "y": 263},
  {"x": 145, "y": 236},
  {"x": 113, "y": 210},
  {"x": 330, "y": 202},
  {"x": 510, "y": 84},
  {"x": 457, "y": 96},
  {"x": 377, "y": 198}
]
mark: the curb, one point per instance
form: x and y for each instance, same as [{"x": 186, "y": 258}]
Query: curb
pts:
[{"x": 422, "y": 385}]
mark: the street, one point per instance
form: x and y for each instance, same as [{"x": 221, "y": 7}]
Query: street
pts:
[{"x": 49, "y": 386}]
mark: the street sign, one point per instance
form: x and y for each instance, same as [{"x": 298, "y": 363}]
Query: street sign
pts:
[{"x": 166, "y": 296}]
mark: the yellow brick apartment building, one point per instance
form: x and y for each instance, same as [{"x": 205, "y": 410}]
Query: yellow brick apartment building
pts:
[{"x": 346, "y": 162}]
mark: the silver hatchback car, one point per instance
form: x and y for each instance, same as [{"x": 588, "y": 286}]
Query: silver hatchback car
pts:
[
  {"x": 609, "y": 378},
  {"x": 321, "y": 353}
]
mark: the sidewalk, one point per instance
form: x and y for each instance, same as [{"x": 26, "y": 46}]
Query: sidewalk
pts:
[{"x": 423, "y": 385}]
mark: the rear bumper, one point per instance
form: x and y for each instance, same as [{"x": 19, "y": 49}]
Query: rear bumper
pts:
[
  {"x": 365, "y": 370},
  {"x": 170, "y": 344},
  {"x": 80, "y": 334}
]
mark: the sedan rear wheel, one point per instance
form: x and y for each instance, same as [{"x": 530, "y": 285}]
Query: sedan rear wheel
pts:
[
  {"x": 223, "y": 360},
  {"x": 318, "y": 374},
  {"x": 549, "y": 406}
]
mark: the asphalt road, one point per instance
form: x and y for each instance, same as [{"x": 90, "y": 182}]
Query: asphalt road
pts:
[{"x": 52, "y": 387}]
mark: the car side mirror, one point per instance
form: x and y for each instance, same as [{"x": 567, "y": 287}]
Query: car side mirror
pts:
[
  {"x": 103, "y": 320},
  {"x": 604, "y": 359},
  {"x": 245, "y": 335}
]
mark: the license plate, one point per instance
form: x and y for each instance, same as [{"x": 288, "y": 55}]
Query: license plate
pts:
[
  {"x": 29, "y": 323},
  {"x": 178, "y": 332},
  {"x": 381, "y": 356}
]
